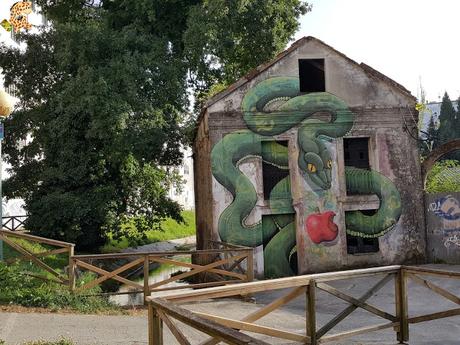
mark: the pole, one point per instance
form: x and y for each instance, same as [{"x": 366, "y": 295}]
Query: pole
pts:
[{"x": 1, "y": 200}]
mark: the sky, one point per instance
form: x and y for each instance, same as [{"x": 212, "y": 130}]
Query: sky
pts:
[{"x": 407, "y": 40}]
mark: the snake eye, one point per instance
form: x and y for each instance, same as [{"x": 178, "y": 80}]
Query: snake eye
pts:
[
  {"x": 329, "y": 164},
  {"x": 311, "y": 168}
]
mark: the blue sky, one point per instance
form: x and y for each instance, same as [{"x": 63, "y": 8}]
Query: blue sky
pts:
[{"x": 403, "y": 39}]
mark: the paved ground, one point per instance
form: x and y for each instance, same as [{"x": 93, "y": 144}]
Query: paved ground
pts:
[{"x": 98, "y": 330}]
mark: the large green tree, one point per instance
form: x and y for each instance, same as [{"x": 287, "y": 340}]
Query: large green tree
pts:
[
  {"x": 448, "y": 125},
  {"x": 103, "y": 93}
]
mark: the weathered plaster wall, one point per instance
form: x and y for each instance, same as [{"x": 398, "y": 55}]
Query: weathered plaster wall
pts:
[
  {"x": 443, "y": 227},
  {"x": 382, "y": 112}
]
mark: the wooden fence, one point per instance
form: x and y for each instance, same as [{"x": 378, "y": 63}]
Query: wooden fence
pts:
[
  {"x": 17, "y": 241},
  {"x": 13, "y": 223},
  {"x": 224, "y": 264},
  {"x": 223, "y": 329}
]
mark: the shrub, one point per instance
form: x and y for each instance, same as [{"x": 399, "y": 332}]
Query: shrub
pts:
[{"x": 20, "y": 289}]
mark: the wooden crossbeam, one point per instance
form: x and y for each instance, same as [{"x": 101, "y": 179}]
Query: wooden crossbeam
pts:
[
  {"x": 433, "y": 287},
  {"x": 237, "y": 264},
  {"x": 189, "y": 265},
  {"x": 180, "y": 337},
  {"x": 434, "y": 316},
  {"x": 357, "y": 331},
  {"x": 333, "y": 291},
  {"x": 209, "y": 327},
  {"x": 347, "y": 311},
  {"x": 52, "y": 252},
  {"x": 196, "y": 270},
  {"x": 31, "y": 257},
  {"x": 37, "y": 239},
  {"x": 113, "y": 275},
  {"x": 291, "y": 295},
  {"x": 251, "y": 327}
]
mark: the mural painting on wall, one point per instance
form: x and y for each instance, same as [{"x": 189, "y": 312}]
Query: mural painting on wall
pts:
[
  {"x": 273, "y": 107},
  {"x": 448, "y": 209}
]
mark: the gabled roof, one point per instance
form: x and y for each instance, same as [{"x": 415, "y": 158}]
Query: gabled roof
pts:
[{"x": 261, "y": 68}]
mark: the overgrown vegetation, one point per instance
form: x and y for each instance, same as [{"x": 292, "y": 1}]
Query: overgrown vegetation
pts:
[
  {"x": 19, "y": 288},
  {"x": 19, "y": 284},
  {"x": 170, "y": 229},
  {"x": 444, "y": 177}
]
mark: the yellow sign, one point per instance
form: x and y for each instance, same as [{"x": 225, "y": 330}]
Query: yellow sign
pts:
[{"x": 18, "y": 15}]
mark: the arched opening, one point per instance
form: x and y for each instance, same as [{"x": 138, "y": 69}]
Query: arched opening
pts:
[{"x": 435, "y": 155}]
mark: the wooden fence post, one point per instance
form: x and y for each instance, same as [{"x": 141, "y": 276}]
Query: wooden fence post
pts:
[
  {"x": 146, "y": 278},
  {"x": 72, "y": 269},
  {"x": 155, "y": 327},
  {"x": 401, "y": 306},
  {"x": 311, "y": 312},
  {"x": 250, "y": 265}
]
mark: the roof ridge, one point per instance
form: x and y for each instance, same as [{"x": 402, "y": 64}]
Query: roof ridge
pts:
[{"x": 261, "y": 68}]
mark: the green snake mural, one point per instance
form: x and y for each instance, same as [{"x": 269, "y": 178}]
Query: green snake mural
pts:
[{"x": 272, "y": 107}]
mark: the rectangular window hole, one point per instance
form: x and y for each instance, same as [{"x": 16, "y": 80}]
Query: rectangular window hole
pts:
[
  {"x": 356, "y": 152},
  {"x": 363, "y": 245},
  {"x": 271, "y": 174},
  {"x": 312, "y": 75}
]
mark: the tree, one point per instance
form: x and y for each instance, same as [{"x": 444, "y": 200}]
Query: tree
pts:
[
  {"x": 447, "y": 117},
  {"x": 428, "y": 137},
  {"x": 447, "y": 122},
  {"x": 103, "y": 93}
]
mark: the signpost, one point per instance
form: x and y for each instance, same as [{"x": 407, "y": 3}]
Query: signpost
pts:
[
  {"x": 2, "y": 132},
  {"x": 6, "y": 107}
]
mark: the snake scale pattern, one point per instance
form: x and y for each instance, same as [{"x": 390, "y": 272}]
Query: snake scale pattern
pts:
[{"x": 270, "y": 108}]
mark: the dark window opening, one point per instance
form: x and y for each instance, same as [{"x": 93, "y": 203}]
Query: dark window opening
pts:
[
  {"x": 360, "y": 245},
  {"x": 271, "y": 173},
  {"x": 356, "y": 152},
  {"x": 311, "y": 75}
]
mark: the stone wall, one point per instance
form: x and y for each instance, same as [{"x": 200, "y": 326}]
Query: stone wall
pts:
[
  {"x": 381, "y": 112},
  {"x": 443, "y": 227}
]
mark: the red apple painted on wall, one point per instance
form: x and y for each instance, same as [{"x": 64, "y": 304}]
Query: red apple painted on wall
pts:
[{"x": 320, "y": 227}]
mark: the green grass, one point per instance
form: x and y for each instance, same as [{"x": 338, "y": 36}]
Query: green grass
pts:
[
  {"x": 170, "y": 230},
  {"x": 18, "y": 286}
]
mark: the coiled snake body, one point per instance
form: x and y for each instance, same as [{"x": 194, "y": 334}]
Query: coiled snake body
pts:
[{"x": 270, "y": 108}]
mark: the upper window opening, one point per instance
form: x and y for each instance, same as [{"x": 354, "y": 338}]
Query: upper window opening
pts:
[
  {"x": 356, "y": 152},
  {"x": 311, "y": 75}
]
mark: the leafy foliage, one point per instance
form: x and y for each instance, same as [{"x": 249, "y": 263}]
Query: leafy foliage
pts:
[
  {"x": 449, "y": 125},
  {"x": 104, "y": 97},
  {"x": 429, "y": 138},
  {"x": 170, "y": 229},
  {"x": 20, "y": 289},
  {"x": 444, "y": 177}
]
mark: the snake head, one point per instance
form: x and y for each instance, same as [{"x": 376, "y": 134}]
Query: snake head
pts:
[{"x": 316, "y": 164}]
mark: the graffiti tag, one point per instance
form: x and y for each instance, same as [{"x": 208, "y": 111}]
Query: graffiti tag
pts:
[
  {"x": 447, "y": 208},
  {"x": 453, "y": 241}
]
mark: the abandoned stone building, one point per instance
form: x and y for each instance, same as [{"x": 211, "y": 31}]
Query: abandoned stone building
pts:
[{"x": 311, "y": 160}]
